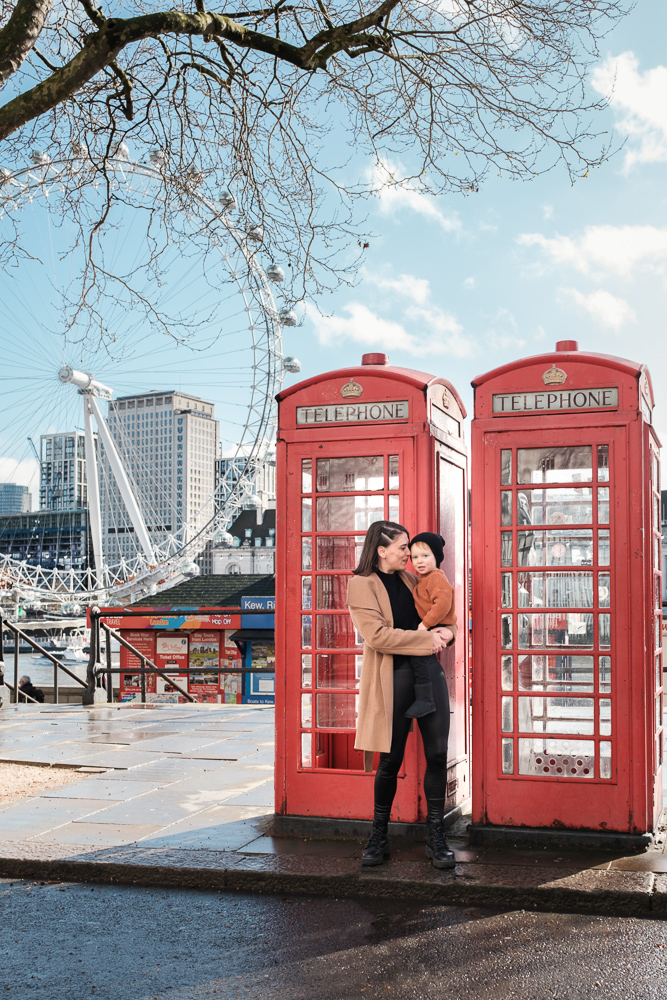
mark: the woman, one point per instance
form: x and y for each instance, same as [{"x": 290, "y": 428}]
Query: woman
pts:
[{"x": 379, "y": 597}]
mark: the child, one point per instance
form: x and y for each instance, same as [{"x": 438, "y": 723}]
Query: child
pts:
[{"x": 434, "y": 601}]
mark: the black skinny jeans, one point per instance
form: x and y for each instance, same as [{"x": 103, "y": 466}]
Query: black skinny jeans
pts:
[{"x": 435, "y": 733}]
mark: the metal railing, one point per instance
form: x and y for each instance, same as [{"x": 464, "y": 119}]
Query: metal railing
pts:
[{"x": 19, "y": 634}]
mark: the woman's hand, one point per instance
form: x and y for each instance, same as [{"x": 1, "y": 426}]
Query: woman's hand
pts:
[
  {"x": 439, "y": 641},
  {"x": 445, "y": 633}
]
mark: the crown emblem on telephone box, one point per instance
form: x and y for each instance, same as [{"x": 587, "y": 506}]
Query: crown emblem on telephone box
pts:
[
  {"x": 351, "y": 390},
  {"x": 554, "y": 376}
]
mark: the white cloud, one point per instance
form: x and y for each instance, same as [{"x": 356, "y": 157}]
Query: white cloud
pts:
[
  {"x": 24, "y": 472},
  {"x": 548, "y": 211},
  {"x": 607, "y": 310},
  {"x": 469, "y": 284},
  {"x": 640, "y": 101},
  {"x": 407, "y": 285},
  {"x": 619, "y": 249},
  {"x": 395, "y": 197}
]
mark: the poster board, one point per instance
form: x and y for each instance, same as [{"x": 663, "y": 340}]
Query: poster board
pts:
[
  {"x": 130, "y": 681},
  {"x": 205, "y": 653},
  {"x": 231, "y": 685}
]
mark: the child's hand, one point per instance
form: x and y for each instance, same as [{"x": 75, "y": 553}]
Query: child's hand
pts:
[{"x": 421, "y": 626}]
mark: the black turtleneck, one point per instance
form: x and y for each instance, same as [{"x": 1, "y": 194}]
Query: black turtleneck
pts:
[{"x": 402, "y": 605}]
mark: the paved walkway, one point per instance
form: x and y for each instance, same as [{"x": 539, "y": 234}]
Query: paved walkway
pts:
[{"x": 183, "y": 795}]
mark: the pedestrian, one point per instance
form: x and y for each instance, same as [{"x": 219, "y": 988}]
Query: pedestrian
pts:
[
  {"x": 380, "y": 600},
  {"x": 26, "y": 687}
]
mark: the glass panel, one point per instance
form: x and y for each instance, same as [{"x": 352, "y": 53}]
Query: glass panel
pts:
[
  {"x": 603, "y": 548},
  {"x": 331, "y": 592},
  {"x": 605, "y": 759},
  {"x": 306, "y": 593},
  {"x": 604, "y": 667},
  {"x": 505, "y": 507},
  {"x": 605, "y": 717},
  {"x": 506, "y": 467},
  {"x": 339, "y": 475},
  {"x": 337, "y": 711},
  {"x": 563, "y": 547},
  {"x": 555, "y": 465},
  {"x": 505, "y": 548},
  {"x": 658, "y": 671},
  {"x": 506, "y": 672},
  {"x": 508, "y": 714},
  {"x": 306, "y": 630},
  {"x": 307, "y": 475},
  {"x": 658, "y": 711},
  {"x": 306, "y": 750},
  {"x": 557, "y": 758},
  {"x": 556, "y": 673},
  {"x": 603, "y": 505},
  {"x": 656, "y": 552},
  {"x": 603, "y": 463},
  {"x": 506, "y": 631},
  {"x": 557, "y": 715},
  {"x": 605, "y": 631},
  {"x": 575, "y": 629},
  {"x": 656, "y": 514},
  {"x": 338, "y": 670},
  {"x": 306, "y": 553},
  {"x": 555, "y": 590},
  {"x": 306, "y": 710},
  {"x": 339, "y": 552},
  {"x": 349, "y": 513},
  {"x": 658, "y": 596},
  {"x": 506, "y": 587},
  {"x": 393, "y": 472},
  {"x": 306, "y": 514},
  {"x": 569, "y": 505},
  {"x": 603, "y": 589},
  {"x": 306, "y": 670},
  {"x": 508, "y": 756},
  {"x": 393, "y": 509},
  {"x": 335, "y": 632}
]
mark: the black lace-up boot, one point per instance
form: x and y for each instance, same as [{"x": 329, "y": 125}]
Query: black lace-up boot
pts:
[
  {"x": 436, "y": 846},
  {"x": 377, "y": 849}
]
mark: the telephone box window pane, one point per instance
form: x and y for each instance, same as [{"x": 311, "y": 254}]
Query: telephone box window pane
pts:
[
  {"x": 505, "y": 548},
  {"x": 506, "y": 631},
  {"x": 506, "y": 587},
  {"x": 331, "y": 592},
  {"x": 339, "y": 552},
  {"x": 605, "y": 759},
  {"x": 506, "y": 467},
  {"x": 306, "y": 593},
  {"x": 507, "y": 671},
  {"x": 507, "y": 714},
  {"x": 555, "y": 465},
  {"x": 556, "y": 673},
  {"x": 603, "y": 463},
  {"x": 557, "y": 758},
  {"x": 336, "y": 711},
  {"x": 565, "y": 547},
  {"x": 306, "y": 710},
  {"x": 605, "y": 717},
  {"x": 306, "y": 553},
  {"x": 306, "y": 750},
  {"x": 560, "y": 506},
  {"x": 306, "y": 514},
  {"x": 306, "y": 631},
  {"x": 393, "y": 472},
  {"x": 307, "y": 476},
  {"x": 603, "y": 505},
  {"x": 658, "y": 670},
  {"x": 530, "y": 630},
  {"x": 603, "y": 548},
  {"x": 557, "y": 715},
  {"x": 393, "y": 508},
  {"x": 505, "y": 507},
  {"x": 575, "y": 629},
  {"x": 335, "y": 632},
  {"x": 337, "y": 670},
  {"x": 555, "y": 590},
  {"x": 349, "y": 513},
  {"x": 605, "y": 631},
  {"x": 603, "y": 589},
  {"x": 605, "y": 674},
  {"x": 508, "y": 756},
  {"x": 306, "y": 670},
  {"x": 656, "y": 552},
  {"x": 656, "y": 514},
  {"x": 341, "y": 475},
  {"x": 658, "y": 711}
]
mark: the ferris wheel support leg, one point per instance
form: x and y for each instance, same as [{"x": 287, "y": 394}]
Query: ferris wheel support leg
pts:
[
  {"x": 123, "y": 483},
  {"x": 93, "y": 491}
]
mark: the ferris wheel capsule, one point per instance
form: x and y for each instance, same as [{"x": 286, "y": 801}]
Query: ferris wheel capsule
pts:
[
  {"x": 292, "y": 365},
  {"x": 275, "y": 273},
  {"x": 79, "y": 150},
  {"x": 158, "y": 157},
  {"x": 194, "y": 176},
  {"x": 256, "y": 234},
  {"x": 40, "y": 158},
  {"x": 227, "y": 199},
  {"x": 122, "y": 151},
  {"x": 287, "y": 317}
]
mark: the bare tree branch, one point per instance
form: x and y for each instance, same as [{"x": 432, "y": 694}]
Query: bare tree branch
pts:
[{"x": 20, "y": 34}]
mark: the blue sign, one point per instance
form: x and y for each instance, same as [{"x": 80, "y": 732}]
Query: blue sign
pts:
[{"x": 258, "y": 604}]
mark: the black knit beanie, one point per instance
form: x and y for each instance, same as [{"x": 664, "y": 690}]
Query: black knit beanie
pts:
[{"x": 436, "y": 544}]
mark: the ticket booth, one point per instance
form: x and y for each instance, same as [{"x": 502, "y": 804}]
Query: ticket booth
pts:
[
  {"x": 355, "y": 446},
  {"x": 566, "y": 611}
]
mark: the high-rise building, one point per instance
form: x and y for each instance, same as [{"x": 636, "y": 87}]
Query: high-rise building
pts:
[
  {"x": 48, "y": 539},
  {"x": 62, "y": 483},
  {"x": 14, "y": 499},
  {"x": 168, "y": 442}
]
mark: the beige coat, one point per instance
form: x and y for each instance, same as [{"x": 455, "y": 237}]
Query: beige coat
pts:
[{"x": 370, "y": 609}]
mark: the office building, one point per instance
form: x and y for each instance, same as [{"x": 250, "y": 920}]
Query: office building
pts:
[
  {"x": 14, "y": 499},
  {"x": 62, "y": 483},
  {"x": 50, "y": 539}
]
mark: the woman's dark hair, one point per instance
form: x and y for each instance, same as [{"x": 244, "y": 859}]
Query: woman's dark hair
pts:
[{"x": 379, "y": 533}]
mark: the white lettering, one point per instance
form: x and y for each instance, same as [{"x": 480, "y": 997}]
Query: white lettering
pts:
[
  {"x": 589, "y": 399},
  {"x": 353, "y": 413}
]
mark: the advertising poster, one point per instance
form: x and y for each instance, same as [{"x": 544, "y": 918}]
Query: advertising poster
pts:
[
  {"x": 204, "y": 657},
  {"x": 130, "y": 682},
  {"x": 263, "y": 686},
  {"x": 171, "y": 655},
  {"x": 231, "y": 685}
]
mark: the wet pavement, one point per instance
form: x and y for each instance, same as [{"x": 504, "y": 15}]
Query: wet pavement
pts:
[
  {"x": 65, "y": 941},
  {"x": 183, "y": 796}
]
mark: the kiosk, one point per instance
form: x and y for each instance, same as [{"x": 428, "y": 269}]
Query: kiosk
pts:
[
  {"x": 355, "y": 446},
  {"x": 566, "y": 612}
]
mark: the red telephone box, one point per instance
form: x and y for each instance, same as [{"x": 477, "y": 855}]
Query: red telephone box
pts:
[
  {"x": 566, "y": 568},
  {"x": 355, "y": 446}
]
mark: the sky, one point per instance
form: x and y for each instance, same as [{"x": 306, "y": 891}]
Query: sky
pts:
[{"x": 456, "y": 286}]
